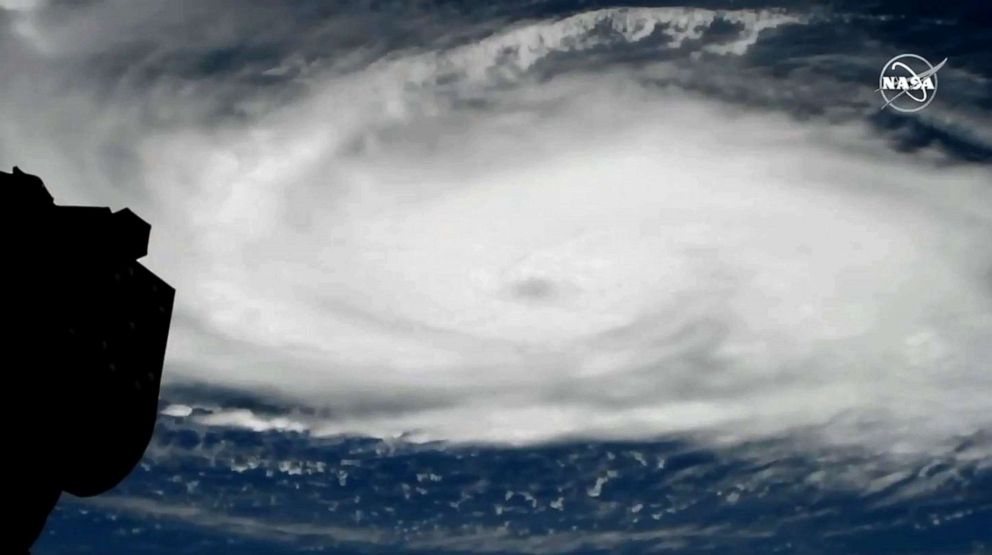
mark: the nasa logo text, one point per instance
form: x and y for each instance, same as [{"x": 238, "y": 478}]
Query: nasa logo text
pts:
[{"x": 908, "y": 82}]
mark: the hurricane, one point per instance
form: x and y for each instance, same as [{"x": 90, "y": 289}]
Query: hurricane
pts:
[{"x": 578, "y": 277}]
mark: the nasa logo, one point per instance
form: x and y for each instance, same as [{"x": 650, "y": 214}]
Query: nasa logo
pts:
[{"x": 908, "y": 82}]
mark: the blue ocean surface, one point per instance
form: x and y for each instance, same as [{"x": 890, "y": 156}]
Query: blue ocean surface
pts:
[{"x": 221, "y": 491}]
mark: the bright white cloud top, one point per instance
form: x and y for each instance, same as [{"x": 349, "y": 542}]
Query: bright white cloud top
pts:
[{"x": 448, "y": 246}]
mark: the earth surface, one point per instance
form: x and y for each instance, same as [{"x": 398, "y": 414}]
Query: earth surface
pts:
[{"x": 536, "y": 276}]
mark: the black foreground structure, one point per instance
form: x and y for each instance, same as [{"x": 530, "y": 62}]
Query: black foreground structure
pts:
[{"x": 85, "y": 334}]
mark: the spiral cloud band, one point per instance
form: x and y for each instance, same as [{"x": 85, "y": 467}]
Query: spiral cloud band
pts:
[{"x": 485, "y": 241}]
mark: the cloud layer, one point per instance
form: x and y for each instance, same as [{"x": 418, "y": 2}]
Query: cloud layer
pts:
[{"x": 489, "y": 241}]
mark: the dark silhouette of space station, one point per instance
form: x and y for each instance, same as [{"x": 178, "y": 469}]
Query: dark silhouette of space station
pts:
[{"x": 85, "y": 334}]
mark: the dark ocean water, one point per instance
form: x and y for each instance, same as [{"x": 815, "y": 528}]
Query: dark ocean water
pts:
[{"x": 209, "y": 488}]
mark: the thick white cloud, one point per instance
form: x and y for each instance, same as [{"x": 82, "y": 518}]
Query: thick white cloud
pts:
[
  {"x": 445, "y": 246},
  {"x": 19, "y": 5}
]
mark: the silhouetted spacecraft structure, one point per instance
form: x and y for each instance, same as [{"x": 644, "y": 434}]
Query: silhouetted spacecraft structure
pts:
[{"x": 85, "y": 336}]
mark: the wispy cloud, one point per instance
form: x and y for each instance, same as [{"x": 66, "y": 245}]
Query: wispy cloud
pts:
[{"x": 479, "y": 540}]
